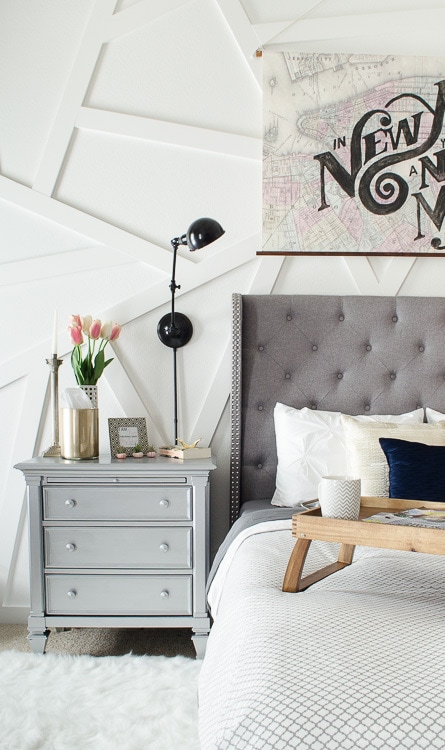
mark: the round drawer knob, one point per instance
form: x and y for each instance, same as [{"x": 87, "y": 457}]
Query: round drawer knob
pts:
[
  {"x": 70, "y": 547},
  {"x": 164, "y": 503},
  {"x": 70, "y": 503},
  {"x": 72, "y": 594},
  {"x": 165, "y": 594},
  {"x": 164, "y": 547}
]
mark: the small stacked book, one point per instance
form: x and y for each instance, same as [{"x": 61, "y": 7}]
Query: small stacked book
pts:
[{"x": 177, "y": 452}]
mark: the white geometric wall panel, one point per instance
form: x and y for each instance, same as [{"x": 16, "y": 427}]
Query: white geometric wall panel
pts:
[{"x": 122, "y": 122}]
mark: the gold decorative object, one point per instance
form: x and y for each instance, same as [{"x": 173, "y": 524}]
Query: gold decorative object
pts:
[
  {"x": 186, "y": 446},
  {"x": 79, "y": 433}
]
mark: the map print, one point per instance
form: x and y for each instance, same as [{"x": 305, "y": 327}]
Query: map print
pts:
[{"x": 353, "y": 154}]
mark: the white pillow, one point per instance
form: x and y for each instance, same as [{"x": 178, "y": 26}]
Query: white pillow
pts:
[
  {"x": 433, "y": 416},
  {"x": 365, "y": 457},
  {"x": 311, "y": 444}
]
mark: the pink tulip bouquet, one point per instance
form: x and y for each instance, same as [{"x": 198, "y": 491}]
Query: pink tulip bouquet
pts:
[{"x": 87, "y": 370}]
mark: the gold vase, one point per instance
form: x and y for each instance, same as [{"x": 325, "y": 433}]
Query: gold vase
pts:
[{"x": 79, "y": 433}]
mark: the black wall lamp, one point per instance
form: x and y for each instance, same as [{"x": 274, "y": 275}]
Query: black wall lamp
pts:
[{"x": 175, "y": 329}]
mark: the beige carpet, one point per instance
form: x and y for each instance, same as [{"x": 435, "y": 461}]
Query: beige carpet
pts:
[{"x": 105, "y": 641}]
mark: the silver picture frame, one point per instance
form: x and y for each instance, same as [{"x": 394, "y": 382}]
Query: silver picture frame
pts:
[{"x": 126, "y": 432}]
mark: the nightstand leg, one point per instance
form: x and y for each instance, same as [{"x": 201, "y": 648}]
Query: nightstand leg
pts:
[
  {"x": 37, "y": 641},
  {"x": 199, "y": 639}
]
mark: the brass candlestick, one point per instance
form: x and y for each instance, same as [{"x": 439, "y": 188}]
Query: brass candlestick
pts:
[{"x": 54, "y": 363}]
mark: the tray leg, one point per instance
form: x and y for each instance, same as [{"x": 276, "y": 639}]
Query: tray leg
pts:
[
  {"x": 346, "y": 553},
  {"x": 294, "y": 569},
  {"x": 293, "y": 582}
]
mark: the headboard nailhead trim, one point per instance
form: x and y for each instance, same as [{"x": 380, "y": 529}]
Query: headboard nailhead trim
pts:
[{"x": 235, "y": 409}]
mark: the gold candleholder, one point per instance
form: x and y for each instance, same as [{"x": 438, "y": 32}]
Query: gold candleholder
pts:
[{"x": 54, "y": 363}]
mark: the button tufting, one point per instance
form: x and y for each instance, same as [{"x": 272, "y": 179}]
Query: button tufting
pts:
[
  {"x": 394, "y": 318},
  {"x": 367, "y": 407},
  {"x": 315, "y": 348},
  {"x": 261, "y": 407},
  {"x": 368, "y": 348},
  {"x": 288, "y": 317},
  {"x": 261, "y": 348},
  {"x": 341, "y": 318},
  {"x": 421, "y": 348},
  {"x": 313, "y": 406},
  {"x": 287, "y": 376},
  {"x": 393, "y": 376},
  {"x": 260, "y": 466},
  {"x": 339, "y": 375}
]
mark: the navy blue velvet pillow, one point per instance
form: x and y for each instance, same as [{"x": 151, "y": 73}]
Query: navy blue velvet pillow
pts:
[{"x": 416, "y": 470}]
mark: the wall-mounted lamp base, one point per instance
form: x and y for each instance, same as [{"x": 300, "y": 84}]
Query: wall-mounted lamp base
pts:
[{"x": 177, "y": 335}]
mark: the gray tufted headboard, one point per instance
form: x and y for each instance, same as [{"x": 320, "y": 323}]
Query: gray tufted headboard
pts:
[{"x": 355, "y": 354}]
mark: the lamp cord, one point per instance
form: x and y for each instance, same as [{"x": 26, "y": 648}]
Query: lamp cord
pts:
[{"x": 175, "y": 397}]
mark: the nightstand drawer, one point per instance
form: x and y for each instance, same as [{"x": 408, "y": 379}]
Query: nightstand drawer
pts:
[
  {"x": 118, "y": 547},
  {"x": 117, "y": 503},
  {"x": 118, "y": 595}
]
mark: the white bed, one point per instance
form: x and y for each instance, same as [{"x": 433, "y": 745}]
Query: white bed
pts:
[{"x": 356, "y": 660}]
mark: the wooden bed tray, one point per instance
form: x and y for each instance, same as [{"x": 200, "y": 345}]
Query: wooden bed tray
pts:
[{"x": 310, "y": 525}]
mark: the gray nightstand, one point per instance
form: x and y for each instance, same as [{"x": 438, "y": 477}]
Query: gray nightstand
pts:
[{"x": 118, "y": 544}]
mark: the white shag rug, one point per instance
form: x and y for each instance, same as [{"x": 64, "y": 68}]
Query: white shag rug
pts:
[{"x": 62, "y": 702}]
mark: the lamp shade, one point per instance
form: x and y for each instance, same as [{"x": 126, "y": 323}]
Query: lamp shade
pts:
[{"x": 202, "y": 232}]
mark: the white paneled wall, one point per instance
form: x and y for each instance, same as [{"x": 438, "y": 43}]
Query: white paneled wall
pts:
[{"x": 122, "y": 122}]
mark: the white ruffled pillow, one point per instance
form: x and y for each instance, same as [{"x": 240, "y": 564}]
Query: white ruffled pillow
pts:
[
  {"x": 311, "y": 444},
  {"x": 365, "y": 457},
  {"x": 433, "y": 416}
]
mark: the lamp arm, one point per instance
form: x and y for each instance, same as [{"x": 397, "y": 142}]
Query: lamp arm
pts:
[
  {"x": 173, "y": 285},
  {"x": 175, "y": 242}
]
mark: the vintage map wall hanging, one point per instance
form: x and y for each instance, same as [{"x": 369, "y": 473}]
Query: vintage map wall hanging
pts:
[{"x": 354, "y": 154}]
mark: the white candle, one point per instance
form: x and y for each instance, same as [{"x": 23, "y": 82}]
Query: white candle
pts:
[{"x": 54, "y": 347}]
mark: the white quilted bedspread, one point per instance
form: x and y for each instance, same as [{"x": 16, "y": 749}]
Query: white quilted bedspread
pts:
[{"x": 355, "y": 662}]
